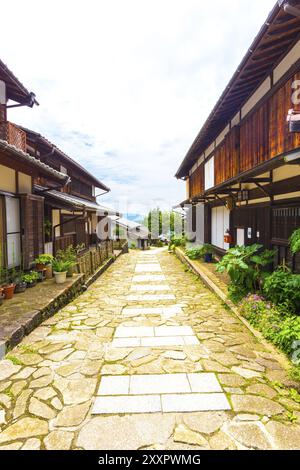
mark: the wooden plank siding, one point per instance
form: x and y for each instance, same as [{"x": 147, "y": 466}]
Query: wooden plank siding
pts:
[
  {"x": 254, "y": 139},
  {"x": 261, "y": 136},
  {"x": 196, "y": 182},
  {"x": 227, "y": 157},
  {"x": 32, "y": 223},
  {"x": 280, "y": 139}
]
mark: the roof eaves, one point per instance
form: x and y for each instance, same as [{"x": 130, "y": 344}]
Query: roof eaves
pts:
[
  {"x": 33, "y": 161},
  {"x": 48, "y": 143},
  {"x": 26, "y": 97},
  {"x": 196, "y": 146}
]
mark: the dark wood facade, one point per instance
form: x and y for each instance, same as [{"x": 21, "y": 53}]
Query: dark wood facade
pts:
[{"x": 247, "y": 151}]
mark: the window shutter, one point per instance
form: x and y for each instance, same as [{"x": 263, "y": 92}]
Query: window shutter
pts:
[{"x": 32, "y": 220}]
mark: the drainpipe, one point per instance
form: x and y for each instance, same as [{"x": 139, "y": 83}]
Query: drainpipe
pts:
[{"x": 102, "y": 194}]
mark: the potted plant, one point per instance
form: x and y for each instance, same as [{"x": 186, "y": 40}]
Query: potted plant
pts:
[
  {"x": 43, "y": 263},
  {"x": 9, "y": 285},
  {"x": 60, "y": 269},
  {"x": 207, "y": 252},
  {"x": 1, "y": 295},
  {"x": 31, "y": 278},
  {"x": 69, "y": 255},
  {"x": 21, "y": 285}
]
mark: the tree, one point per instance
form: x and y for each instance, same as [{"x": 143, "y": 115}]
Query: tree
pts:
[{"x": 163, "y": 223}]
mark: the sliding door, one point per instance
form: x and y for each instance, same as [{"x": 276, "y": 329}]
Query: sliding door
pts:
[{"x": 13, "y": 231}]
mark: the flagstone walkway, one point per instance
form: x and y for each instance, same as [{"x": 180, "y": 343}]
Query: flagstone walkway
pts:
[{"x": 147, "y": 358}]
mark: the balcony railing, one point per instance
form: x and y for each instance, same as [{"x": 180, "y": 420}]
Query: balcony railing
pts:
[{"x": 13, "y": 135}]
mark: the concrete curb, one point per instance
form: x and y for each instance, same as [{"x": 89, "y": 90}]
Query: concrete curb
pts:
[{"x": 281, "y": 358}]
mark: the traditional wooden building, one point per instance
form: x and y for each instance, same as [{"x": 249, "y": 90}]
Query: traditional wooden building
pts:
[
  {"x": 135, "y": 233},
  {"x": 243, "y": 169},
  {"x": 71, "y": 212},
  {"x": 21, "y": 211}
]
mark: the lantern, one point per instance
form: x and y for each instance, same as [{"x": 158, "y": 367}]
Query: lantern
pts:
[{"x": 228, "y": 238}]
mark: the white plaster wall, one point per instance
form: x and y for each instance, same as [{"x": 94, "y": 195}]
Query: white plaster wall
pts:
[
  {"x": 256, "y": 97},
  {"x": 287, "y": 62},
  {"x": 56, "y": 221},
  {"x": 7, "y": 179},
  {"x": 222, "y": 136},
  {"x": 209, "y": 169},
  {"x": 25, "y": 183}
]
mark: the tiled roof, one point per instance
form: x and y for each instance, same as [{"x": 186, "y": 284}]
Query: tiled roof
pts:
[
  {"x": 76, "y": 202},
  {"x": 25, "y": 157},
  {"x": 50, "y": 145},
  {"x": 16, "y": 91}
]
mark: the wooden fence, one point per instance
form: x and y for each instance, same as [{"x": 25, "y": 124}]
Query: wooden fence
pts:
[{"x": 90, "y": 261}]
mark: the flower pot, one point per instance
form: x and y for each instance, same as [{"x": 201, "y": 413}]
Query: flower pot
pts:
[
  {"x": 40, "y": 267},
  {"x": 49, "y": 271},
  {"x": 31, "y": 284},
  {"x": 208, "y": 257},
  {"x": 20, "y": 287},
  {"x": 60, "y": 278},
  {"x": 9, "y": 291}
]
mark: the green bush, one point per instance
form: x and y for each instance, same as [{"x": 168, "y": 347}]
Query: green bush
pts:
[
  {"x": 275, "y": 323},
  {"x": 200, "y": 251},
  {"x": 30, "y": 277},
  {"x": 245, "y": 267},
  {"x": 295, "y": 241},
  {"x": 283, "y": 287},
  {"x": 60, "y": 266},
  {"x": 45, "y": 259},
  {"x": 194, "y": 253},
  {"x": 178, "y": 241}
]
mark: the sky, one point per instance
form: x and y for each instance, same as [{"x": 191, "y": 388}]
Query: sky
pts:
[{"x": 124, "y": 86}]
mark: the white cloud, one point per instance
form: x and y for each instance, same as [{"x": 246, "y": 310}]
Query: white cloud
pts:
[{"x": 124, "y": 86}]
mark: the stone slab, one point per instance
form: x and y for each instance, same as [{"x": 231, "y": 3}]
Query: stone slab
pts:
[
  {"x": 159, "y": 384},
  {"x": 194, "y": 402},
  {"x": 127, "y": 404},
  {"x": 114, "y": 385}
]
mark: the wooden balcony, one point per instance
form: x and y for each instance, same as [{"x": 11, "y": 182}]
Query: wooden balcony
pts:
[{"x": 13, "y": 135}]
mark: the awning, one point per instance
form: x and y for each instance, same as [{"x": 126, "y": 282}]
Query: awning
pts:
[{"x": 75, "y": 203}]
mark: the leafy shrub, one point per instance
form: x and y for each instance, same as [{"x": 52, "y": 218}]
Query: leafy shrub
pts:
[
  {"x": 275, "y": 323},
  {"x": 67, "y": 255},
  {"x": 45, "y": 259},
  {"x": 295, "y": 241},
  {"x": 60, "y": 266},
  {"x": 200, "y": 251},
  {"x": 283, "y": 287},
  {"x": 159, "y": 244},
  {"x": 178, "y": 241},
  {"x": 194, "y": 253},
  {"x": 244, "y": 265},
  {"x": 30, "y": 277}
]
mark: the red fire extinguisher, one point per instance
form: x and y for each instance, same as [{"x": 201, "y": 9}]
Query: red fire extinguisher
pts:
[{"x": 228, "y": 238}]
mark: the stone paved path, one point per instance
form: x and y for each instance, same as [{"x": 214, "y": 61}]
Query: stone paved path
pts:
[{"x": 147, "y": 358}]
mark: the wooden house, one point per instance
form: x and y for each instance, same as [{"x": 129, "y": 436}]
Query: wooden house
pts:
[
  {"x": 243, "y": 170},
  {"x": 71, "y": 212},
  {"x": 21, "y": 211},
  {"x": 135, "y": 233}
]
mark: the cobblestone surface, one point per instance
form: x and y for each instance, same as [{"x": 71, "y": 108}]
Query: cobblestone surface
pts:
[{"x": 49, "y": 383}]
